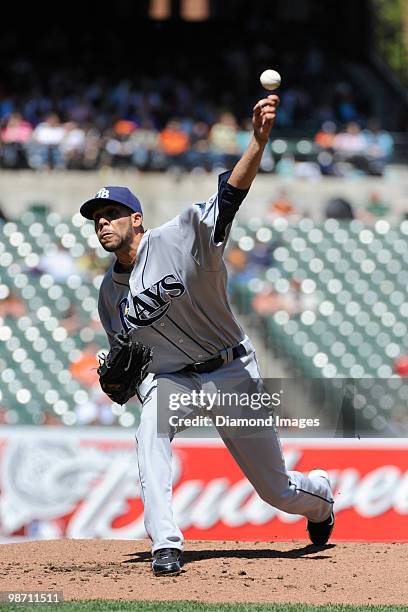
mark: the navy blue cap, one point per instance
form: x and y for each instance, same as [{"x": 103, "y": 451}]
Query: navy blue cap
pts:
[{"x": 119, "y": 195}]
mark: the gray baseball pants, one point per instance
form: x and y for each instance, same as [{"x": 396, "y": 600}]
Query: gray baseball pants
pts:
[{"x": 259, "y": 454}]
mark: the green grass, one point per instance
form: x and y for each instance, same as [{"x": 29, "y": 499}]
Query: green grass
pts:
[{"x": 99, "y": 605}]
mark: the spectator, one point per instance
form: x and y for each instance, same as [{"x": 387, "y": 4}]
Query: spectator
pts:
[
  {"x": 326, "y": 135},
  {"x": 379, "y": 146},
  {"x": 71, "y": 321},
  {"x": 327, "y": 141},
  {"x": 12, "y": 306},
  {"x": 294, "y": 301},
  {"x": 285, "y": 166},
  {"x": 44, "y": 148},
  {"x": 97, "y": 410},
  {"x": 119, "y": 145},
  {"x": 377, "y": 206},
  {"x": 268, "y": 301},
  {"x": 84, "y": 369},
  {"x": 90, "y": 264},
  {"x": 261, "y": 255},
  {"x": 308, "y": 170},
  {"x": 80, "y": 111},
  {"x": 174, "y": 143},
  {"x": 72, "y": 146},
  {"x": 299, "y": 299},
  {"x": 344, "y": 103},
  {"x": 145, "y": 140},
  {"x": 92, "y": 148},
  {"x": 60, "y": 265},
  {"x": 223, "y": 140},
  {"x": 281, "y": 206},
  {"x": 339, "y": 208},
  {"x": 244, "y": 135},
  {"x": 236, "y": 260},
  {"x": 351, "y": 146},
  {"x": 198, "y": 157},
  {"x": 13, "y": 139},
  {"x": 380, "y": 143},
  {"x": 350, "y": 142},
  {"x": 295, "y": 106}
]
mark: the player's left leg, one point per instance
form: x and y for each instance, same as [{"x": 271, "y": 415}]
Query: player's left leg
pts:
[
  {"x": 153, "y": 438},
  {"x": 258, "y": 451},
  {"x": 155, "y": 473}
]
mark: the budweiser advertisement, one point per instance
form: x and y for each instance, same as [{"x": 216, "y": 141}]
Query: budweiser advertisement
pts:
[{"x": 83, "y": 483}]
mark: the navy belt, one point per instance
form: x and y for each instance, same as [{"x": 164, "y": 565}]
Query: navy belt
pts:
[{"x": 202, "y": 367}]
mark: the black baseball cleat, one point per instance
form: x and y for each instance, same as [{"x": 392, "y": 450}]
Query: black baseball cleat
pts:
[
  {"x": 319, "y": 533},
  {"x": 167, "y": 561}
]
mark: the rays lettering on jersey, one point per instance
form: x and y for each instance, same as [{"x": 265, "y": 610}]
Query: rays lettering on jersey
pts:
[{"x": 152, "y": 304}]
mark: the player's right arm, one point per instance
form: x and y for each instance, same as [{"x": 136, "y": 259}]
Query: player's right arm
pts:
[
  {"x": 245, "y": 170},
  {"x": 205, "y": 227},
  {"x": 263, "y": 118}
]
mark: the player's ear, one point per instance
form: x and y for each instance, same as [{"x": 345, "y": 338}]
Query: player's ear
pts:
[{"x": 137, "y": 220}]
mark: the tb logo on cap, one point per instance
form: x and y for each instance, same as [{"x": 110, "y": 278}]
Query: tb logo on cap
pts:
[{"x": 102, "y": 193}]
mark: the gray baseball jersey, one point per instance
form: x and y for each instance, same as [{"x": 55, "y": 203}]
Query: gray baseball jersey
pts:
[{"x": 175, "y": 295}]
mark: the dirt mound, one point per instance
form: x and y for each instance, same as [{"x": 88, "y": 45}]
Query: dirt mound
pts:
[{"x": 212, "y": 572}]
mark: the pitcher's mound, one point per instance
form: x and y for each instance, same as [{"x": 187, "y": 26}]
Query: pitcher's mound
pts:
[{"x": 212, "y": 572}]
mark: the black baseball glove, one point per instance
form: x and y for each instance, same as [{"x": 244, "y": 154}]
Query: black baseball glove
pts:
[{"x": 123, "y": 369}]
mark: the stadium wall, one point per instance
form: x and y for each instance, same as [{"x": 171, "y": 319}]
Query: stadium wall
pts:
[
  {"x": 164, "y": 195},
  {"x": 83, "y": 483}
]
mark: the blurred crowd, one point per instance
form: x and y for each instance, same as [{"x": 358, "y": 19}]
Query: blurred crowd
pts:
[
  {"x": 188, "y": 145},
  {"x": 66, "y": 120}
]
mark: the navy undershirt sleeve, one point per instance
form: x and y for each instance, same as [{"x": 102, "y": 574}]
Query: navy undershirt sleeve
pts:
[{"x": 229, "y": 200}]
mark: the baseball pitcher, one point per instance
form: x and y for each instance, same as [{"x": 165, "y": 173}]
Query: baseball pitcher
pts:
[{"x": 163, "y": 304}]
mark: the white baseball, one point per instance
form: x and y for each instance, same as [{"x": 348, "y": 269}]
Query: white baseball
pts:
[{"x": 270, "y": 79}]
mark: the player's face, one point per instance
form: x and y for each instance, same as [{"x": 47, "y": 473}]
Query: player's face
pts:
[{"x": 113, "y": 227}]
